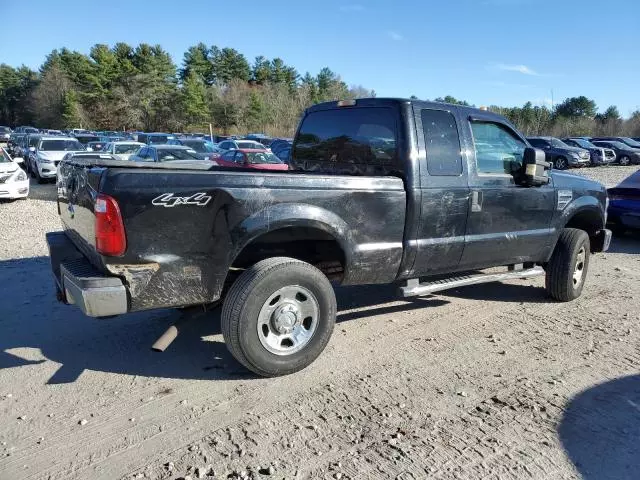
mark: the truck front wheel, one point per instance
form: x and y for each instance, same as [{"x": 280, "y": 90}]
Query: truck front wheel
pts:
[
  {"x": 567, "y": 269},
  {"x": 278, "y": 316}
]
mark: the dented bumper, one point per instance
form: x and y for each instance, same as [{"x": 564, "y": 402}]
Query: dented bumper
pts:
[{"x": 79, "y": 283}]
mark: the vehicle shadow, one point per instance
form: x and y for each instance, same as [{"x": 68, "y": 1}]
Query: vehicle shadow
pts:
[
  {"x": 627, "y": 243},
  {"x": 46, "y": 191},
  {"x": 600, "y": 430},
  {"x": 32, "y": 320},
  {"x": 500, "y": 292}
]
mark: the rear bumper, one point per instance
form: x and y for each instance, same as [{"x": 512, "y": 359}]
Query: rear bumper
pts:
[{"x": 79, "y": 283}]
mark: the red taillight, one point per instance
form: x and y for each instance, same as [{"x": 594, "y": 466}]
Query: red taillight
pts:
[{"x": 110, "y": 236}]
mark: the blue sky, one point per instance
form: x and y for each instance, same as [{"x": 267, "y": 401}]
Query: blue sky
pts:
[{"x": 502, "y": 52}]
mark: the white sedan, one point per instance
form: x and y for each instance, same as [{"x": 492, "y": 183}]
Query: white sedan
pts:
[
  {"x": 123, "y": 150},
  {"x": 14, "y": 182}
]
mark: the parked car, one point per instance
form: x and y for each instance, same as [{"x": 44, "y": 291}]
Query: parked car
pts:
[
  {"x": 14, "y": 182},
  {"x": 260, "y": 138},
  {"x": 205, "y": 149},
  {"x": 96, "y": 145},
  {"x": 630, "y": 142},
  {"x": 155, "y": 138},
  {"x": 249, "y": 158},
  {"x": 5, "y": 134},
  {"x": 14, "y": 142},
  {"x": 624, "y": 206},
  {"x": 423, "y": 203},
  {"x": 599, "y": 155},
  {"x": 25, "y": 129},
  {"x": 123, "y": 150},
  {"x": 236, "y": 144},
  {"x": 560, "y": 154},
  {"x": 46, "y": 153},
  {"x": 164, "y": 153},
  {"x": 86, "y": 138},
  {"x": 625, "y": 154}
]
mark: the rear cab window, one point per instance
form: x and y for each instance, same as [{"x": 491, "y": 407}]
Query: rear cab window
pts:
[{"x": 348, "y": 140}]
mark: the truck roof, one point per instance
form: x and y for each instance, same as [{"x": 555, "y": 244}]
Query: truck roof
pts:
[{"x": 378, "y": 102}]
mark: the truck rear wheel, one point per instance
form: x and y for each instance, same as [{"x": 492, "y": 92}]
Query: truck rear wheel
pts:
[
  {"x": 567, "y": 269},
  {"x": 278, "y": 316}
]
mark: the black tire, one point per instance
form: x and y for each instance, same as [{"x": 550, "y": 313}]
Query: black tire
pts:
[
  {"x": 624, "y": 160},
  {"x": 560, "y": 163},
  {"x": 38, "y": 177},
  {"x": 247, "y": 297},
  {"x": 560, "y": 281}
]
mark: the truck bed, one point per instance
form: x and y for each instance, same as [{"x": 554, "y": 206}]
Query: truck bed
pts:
[{"x": 188, "y": 226}]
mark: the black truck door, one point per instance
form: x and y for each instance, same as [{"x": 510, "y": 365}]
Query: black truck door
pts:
[
  {"x": 444, "y": 192},
  {"x": 507, "y": 223}
]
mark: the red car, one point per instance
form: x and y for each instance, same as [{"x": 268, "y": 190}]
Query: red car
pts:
[{"x": 251, "y": 158}]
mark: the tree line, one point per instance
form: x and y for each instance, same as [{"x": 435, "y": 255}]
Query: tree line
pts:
[
  {"x": 575, "y": 116},
  {"x": 141, "y": 88},
  {"x": 122, "y": 87}
]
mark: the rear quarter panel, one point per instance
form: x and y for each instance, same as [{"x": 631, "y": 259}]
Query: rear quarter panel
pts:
[{"x": 180, "y": 254}]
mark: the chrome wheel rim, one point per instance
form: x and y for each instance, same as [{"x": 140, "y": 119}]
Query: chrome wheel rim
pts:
[
  {"x": 560, "y": 163},
  {"x": 288, "y": 320},
  {"x": 578, "y": 271},
  {"x": 624, "y": 161}
]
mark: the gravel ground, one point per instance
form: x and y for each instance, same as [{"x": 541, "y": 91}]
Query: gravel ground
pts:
[{"x": 493, "y": 382}]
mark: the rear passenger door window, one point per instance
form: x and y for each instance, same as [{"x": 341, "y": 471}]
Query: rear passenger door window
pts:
[
  {"x": 442, "y": 143},
  {"x": 498, "y": 150}
]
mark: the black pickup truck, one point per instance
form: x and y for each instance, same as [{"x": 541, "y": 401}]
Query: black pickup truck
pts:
[{"x": 423, "y": 195}]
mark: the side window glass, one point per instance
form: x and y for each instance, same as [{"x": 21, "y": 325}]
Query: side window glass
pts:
[
  {"x": 228, "y": 156},
  {"x": 442, "y": 143},
  {"x": 497, "y": 149},
  {"x": 239, "y": 158}
]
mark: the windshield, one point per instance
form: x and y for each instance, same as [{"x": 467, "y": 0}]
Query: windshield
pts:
[
  {"x": 583, "y": 143},
  {"x": 122, "y": 149},
  {"x": 631, "y": 142},
  {"x": 60, "y": 145},
  {"x": 198, "y": 145},
  {"x": 618, "y": 145},
  {"x": 4, "y": 157},
  {"x": 250, "y": 145},
  {"x": 557, "y": 143},
  {"x": 177, "y": 154},
  {"x": 5, "y": 129},
  {"x": 260, "y": 157}
]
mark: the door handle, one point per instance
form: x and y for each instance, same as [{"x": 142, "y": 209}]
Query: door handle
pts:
[{"x": 476, "y": 201}]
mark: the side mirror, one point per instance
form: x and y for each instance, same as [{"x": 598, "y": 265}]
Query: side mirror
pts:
[
  {"x": 535, "y": 169},
  {"x": 32, "y": 149}
]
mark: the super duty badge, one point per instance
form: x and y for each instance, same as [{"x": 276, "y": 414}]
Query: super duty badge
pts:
[{"x": 170, "y": 200}]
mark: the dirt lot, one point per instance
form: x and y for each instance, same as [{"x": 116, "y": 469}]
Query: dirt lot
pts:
[{"x": 491, "y": 382}]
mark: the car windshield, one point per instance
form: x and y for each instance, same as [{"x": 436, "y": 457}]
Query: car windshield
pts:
[
  {"x": 60, "y": 145},
  {"x": 262, "y": 157},
  {"x": 198, "y": 146},
  {"x": 177, "y": 154},
  {"x": 631, "y": 142},
  {"x": 86, "y": 139},
  {"x": 557, "y": 143},
  {"x": 124, "y": 149},
  {"x": 5, "y": 129},
  {"x": 158, "y": 139},
  {"x": 250, "y": 145},
  {"x": 4, "y": 157},
  {"x": 613, "y": 144},
  {"x": 583, "y": 143}
]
